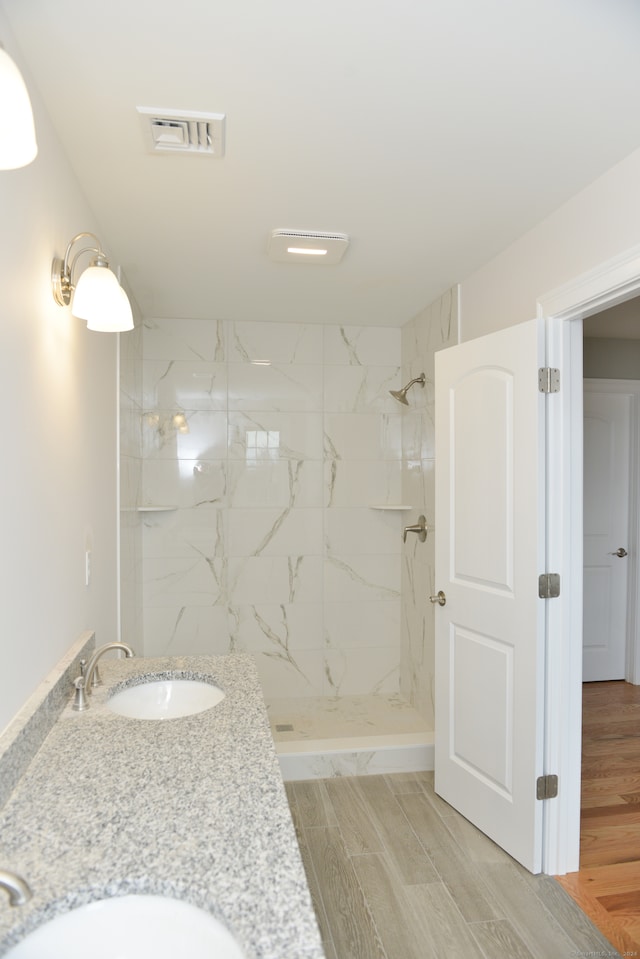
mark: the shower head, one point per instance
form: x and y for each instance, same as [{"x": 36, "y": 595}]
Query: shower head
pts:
[{"x": 401, "y": 395}]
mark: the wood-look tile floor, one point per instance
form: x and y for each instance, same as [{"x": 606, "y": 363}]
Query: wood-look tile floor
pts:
[
  {"x": 608, "y": 883},
  {"x": 396, "y": 873}
]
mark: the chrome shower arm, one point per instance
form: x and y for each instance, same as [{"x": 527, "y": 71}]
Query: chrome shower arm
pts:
[{"x": 401, "y": 395}]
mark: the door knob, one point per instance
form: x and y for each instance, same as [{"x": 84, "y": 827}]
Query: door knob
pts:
[
  {"x": 439, "y": 598},
  {"x": 620, "y": 552}
]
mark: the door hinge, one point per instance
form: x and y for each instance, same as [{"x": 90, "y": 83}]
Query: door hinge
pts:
[
  {"x": 549, "y": 585},
  {"x": 546, "y": 787},
  {"x": 549, "y": 379}
]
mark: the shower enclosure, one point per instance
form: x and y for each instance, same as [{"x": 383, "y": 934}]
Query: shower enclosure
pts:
[{"x": 266, "y": 478}]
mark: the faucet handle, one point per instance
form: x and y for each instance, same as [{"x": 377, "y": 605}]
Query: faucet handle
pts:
[{"x": 80, "y": 699}]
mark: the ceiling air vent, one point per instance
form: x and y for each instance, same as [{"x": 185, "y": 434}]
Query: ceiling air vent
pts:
[{"x": 183, "y": 131}]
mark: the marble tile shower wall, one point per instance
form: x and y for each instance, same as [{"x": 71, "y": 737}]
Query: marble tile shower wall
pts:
[
  {"x": 431, "y": 330},
  {"x": 272, "y": 441}
]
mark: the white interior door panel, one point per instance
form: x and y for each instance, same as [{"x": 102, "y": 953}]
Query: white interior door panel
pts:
[{"x": 489, "y": 553}]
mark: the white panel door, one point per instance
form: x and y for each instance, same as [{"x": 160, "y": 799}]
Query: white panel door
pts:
[
  {"x": 489, "y": 553},
  {"x": 607, "y": 418}
]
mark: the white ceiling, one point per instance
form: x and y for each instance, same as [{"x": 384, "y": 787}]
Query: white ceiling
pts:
[{"x": 433, "y": 132}]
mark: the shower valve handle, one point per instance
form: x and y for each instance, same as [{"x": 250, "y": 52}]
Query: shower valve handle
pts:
[{"x": 420, "y": 528}]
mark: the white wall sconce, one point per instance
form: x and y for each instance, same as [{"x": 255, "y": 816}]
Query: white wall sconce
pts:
[
  {"x": 97, "y": 296},
  {"x": 18, "y": 145}
]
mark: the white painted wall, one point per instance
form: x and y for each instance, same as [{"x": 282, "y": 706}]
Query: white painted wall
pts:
[
  {"x": 605, "y": 359},
  {"x": 598, "y": 224},
  {"x": 58, "y": 388}
]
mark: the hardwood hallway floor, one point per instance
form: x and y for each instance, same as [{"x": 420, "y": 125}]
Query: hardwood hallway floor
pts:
[
  {"x": 396, "y": 873},
  {"x": 607, "y": 886}
]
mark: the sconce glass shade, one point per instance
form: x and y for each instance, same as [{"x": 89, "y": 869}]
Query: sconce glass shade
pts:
[
  {"x": 18, "y": 145},
  {"x": 100, "y": 300}
]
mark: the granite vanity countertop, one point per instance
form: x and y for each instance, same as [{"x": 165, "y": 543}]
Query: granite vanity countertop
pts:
[{"x": 192, "y": 808}]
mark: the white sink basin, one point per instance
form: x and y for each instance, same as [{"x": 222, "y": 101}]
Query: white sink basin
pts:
[
  {"x": 165, "y": 699},
  {"x": 130, "y": 927}
]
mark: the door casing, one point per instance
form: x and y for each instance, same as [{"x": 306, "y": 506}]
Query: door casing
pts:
[{"x": 562, "y": 311}]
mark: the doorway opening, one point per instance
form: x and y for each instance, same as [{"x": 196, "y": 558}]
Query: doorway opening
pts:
[
  {"x": 611, "y": 368},
  {"x": 607, "y": 884}
]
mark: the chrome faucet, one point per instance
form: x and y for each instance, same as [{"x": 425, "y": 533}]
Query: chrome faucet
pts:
[
  {"x": 89, "y": 674},
  {"x": 18, "y": 889}
]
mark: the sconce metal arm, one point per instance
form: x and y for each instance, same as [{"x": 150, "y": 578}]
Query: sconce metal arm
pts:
[{"x": 62, "y": 270}]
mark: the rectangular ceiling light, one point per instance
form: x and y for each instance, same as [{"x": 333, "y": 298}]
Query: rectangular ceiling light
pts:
[{"x": 301, "y": 246}]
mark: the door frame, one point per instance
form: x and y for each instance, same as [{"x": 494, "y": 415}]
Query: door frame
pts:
[
  {"x": 562, "y": 311},
  {"x": 629, "y": 388}
]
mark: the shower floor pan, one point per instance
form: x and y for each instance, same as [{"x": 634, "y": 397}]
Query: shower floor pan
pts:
[{"x": 320, "y": 737}]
